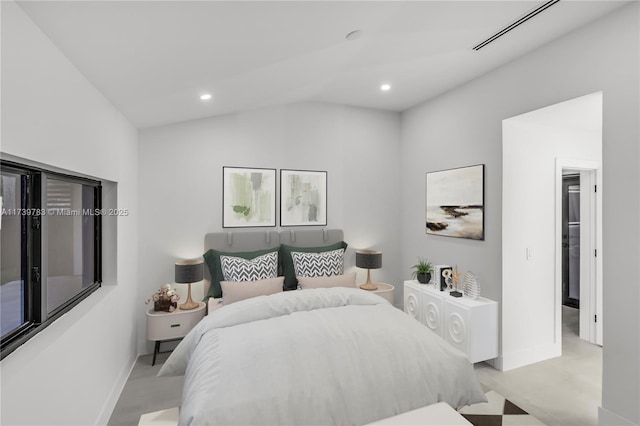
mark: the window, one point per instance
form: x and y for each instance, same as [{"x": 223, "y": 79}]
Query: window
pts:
[
  {"x": 13, "y": 294},
  {"x": 51, "y": 248}
]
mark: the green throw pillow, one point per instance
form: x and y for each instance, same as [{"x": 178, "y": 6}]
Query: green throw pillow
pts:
[
  {"x": 212, "y": 259},
  {"x": 286, "y": 262}
]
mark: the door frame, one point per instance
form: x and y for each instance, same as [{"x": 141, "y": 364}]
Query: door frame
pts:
[{"x": 590, "y": 248}]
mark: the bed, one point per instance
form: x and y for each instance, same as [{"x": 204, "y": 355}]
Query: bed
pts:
[{"x": 327, "y": 355}]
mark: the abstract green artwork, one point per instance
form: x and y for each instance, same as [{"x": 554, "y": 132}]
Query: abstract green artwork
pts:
[
  {"x": 303, "y": 198},
  {"x": 249, "y": 197}
]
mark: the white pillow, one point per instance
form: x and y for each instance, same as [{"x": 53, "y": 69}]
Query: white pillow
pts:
[
  {"x": 258, "y": 268},
  {"x": 234, "y": 291},
  {"x": 346, "y": 280},
  {"x": 324, "y": 264}
]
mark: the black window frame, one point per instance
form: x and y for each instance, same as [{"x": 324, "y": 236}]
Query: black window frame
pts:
[{"x": 36, "y": 316}]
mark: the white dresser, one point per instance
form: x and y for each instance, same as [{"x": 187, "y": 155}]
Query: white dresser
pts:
[{"x": 470, "y": 325}]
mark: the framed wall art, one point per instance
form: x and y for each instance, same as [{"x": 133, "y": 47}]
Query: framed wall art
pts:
[
  {"x": 303, "y": 198},
  {"x": 455, "y": 202},
  {"x": 248, "y": 197}
]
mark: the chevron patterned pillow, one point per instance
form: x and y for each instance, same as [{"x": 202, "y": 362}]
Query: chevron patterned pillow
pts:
[
  {"x": 258, "y": 268},
  {"x": 325, "y": 264}
]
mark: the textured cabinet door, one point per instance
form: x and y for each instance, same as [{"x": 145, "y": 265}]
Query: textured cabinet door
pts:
[
  {"x": 412, "y": 301},
  {"x": 433, "y": 312},
  {"x": 476, "y": 327},
  {"x": 456, "y": 331}
]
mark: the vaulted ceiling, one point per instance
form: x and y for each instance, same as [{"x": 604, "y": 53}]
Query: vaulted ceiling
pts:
[{"x": 153, "y": 59}]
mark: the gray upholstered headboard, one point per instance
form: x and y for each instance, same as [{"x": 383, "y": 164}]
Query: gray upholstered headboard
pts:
[
  {"x": 311, "y": 237},
  {"x": 236, "y": 241},
  {"x": 241, "y": 240}
]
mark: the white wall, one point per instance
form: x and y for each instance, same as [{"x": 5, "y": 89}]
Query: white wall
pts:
[
  {"x": 180, "y": 170},
  {"x": 49, "y": 110},
  {"x": 463, "y": 127},
  {"x": 72, "y": 372},
  {"x": 531, "y": 317}
]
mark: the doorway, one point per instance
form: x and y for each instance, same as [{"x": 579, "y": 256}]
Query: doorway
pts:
[
  {"x": 578, "y": 239},
  {"x": 571, "y": 240},
  {"x": 568, "y": 134}
]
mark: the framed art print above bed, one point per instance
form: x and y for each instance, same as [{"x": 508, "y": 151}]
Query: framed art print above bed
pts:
[
  {"x": 248, "y": 197},
  {"x": 455, "y": 202},
  {"x": 303, "y": 198}
]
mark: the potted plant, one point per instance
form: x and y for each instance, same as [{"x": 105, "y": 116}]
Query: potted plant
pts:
[{"x": 422, "y": 270}]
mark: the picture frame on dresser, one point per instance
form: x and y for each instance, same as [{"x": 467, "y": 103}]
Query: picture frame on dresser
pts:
[
  {"x": 303, "y": 197},
  {"x": 248, "y": 197}
]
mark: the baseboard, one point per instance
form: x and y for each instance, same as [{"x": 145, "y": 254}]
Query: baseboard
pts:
[
  {"x": 114, "y": 395},
  {"x": 509, "y": 361},
  {"x": 609, "y": 418}
]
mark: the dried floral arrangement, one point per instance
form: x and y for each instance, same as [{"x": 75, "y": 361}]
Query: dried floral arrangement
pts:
[{"x": 164, "y": 299}]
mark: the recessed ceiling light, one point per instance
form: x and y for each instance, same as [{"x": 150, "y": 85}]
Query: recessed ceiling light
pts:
[
  {"x": 385, "y": 87},
  {"x": 205, "y": 97},
  {"x": 354, "y": 35}
]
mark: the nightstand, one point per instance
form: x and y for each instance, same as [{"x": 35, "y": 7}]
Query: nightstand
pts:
[
  {"x": 164, "y": 326},
  {"x": 386, "y": 291}
]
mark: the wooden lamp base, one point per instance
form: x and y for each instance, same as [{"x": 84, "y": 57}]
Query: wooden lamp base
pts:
[
  {"x": 189, "y": 304},
  {"x": 369, "y": 285}
]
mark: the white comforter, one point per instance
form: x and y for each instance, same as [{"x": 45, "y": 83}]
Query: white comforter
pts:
[{"x": 323, "y": 356}]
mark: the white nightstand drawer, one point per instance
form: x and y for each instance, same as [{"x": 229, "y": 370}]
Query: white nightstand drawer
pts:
[{"x": 165, "y": 325}]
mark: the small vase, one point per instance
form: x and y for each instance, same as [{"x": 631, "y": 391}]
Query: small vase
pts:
[
  {"x": 424, "y": 278},
  {"x": 471, "y": 287}
]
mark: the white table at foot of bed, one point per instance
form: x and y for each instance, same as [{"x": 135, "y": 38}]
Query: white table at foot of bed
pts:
[{"x": 440, "y": 414}]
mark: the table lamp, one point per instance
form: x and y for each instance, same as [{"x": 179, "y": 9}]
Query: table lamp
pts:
[
  {"x": 189, "y": 271},
  {"x": 369, "y": 259}
]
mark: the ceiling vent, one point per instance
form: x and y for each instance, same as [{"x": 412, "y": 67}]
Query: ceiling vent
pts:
[{"x": 541, "y": 8}]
